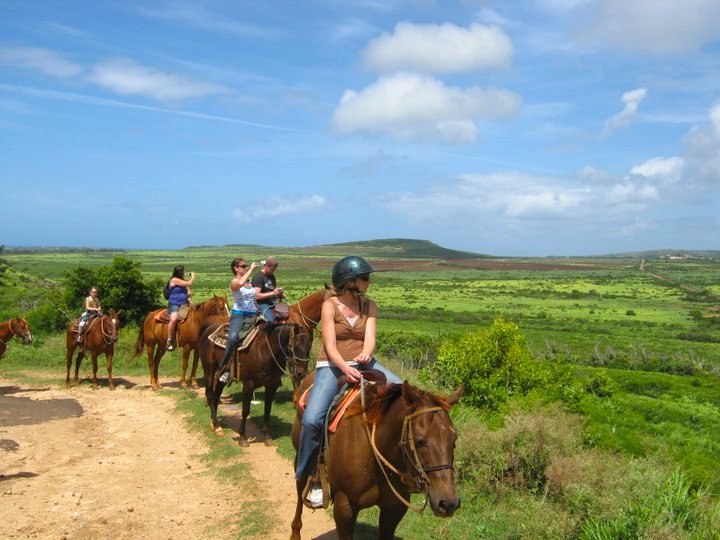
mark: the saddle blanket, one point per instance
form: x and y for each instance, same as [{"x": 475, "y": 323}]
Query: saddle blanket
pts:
[{"x": 220, "y": 335}]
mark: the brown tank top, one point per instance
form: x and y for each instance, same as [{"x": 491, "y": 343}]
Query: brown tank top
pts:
[{"x": 349, "y": 339}]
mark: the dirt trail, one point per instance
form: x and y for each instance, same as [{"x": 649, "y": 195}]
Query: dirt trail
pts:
[{"x": 83, "y": 463}]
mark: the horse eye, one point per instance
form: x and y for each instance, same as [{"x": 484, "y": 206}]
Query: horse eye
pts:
[{"x": 420, "y": 443}]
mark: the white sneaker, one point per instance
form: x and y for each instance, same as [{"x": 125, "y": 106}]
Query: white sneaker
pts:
[
  {"x": 170, "y": 346},
  {"x": 315, "y": 497},
  {"x": 225, "y": 377}
]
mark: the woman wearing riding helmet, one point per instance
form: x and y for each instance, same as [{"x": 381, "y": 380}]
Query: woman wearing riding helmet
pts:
[{"x": 349, "y": 326}]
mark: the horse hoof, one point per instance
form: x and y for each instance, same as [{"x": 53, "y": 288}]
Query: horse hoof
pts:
[
  {"x": 195, "y": 385},
  {"x": 219, "y": 432},
  {"x": 243, "y": 442},
  {"x": 183, "y": 384},
  {"x": 111, "y": 387},
  {"x": 269, "y": 441}
]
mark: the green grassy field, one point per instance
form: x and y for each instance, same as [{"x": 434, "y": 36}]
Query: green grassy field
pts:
[{"x": 650, "y": 332}]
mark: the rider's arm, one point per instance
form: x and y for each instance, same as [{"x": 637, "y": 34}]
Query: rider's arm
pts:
[{"x": 370, "y": 334}]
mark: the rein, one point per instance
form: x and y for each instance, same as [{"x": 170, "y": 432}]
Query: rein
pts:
[
  {"x": 18, "y": 334},
  {"x": 286, "y": 354},
  {"x": 107, "y": 337},
  {"x": 407, "y": 440}
]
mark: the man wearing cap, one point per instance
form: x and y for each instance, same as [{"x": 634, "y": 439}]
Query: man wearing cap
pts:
[{"x": 267, "y": 293}]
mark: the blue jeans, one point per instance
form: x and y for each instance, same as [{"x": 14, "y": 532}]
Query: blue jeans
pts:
[
  {"x": 321, "y": 396},
  {"x": 266, "y": 311},
  {"x": 237, "y": 325}
]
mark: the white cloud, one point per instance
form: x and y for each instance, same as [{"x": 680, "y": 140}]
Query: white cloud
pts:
[
  {"x": 657, "y": 26},
  {"x": 702, "y": 151},
  {"x": 410, "y": 106},
  {"x": 127, "y": 77},
  {"x": 45, "y": 61},
  {"x": 665, "y": 170},
  {"x": 279, "y": 207},
  {"x": 632, "y": 100},
  {"x": 444, "y": 48}
]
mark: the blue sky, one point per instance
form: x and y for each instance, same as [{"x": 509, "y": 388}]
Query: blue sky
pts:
[{"x": 531, "y": 127}]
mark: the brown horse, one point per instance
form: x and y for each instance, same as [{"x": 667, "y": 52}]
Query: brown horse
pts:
[
  {"x": 153, "y": 334},
  {"x": 14, "y": 328},
  {"x": 274, "y": 349},
  {"x": 401, "y": 442},
  {"x": 100, "y": 337}
]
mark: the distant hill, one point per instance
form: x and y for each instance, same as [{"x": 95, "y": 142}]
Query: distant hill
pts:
[
  {"x": 391, "y": 248},
  {"x": 664, "y": 254}
]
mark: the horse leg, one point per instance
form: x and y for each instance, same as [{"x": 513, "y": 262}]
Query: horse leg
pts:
[
  {"x": 108, "y": 361},
  {"x": 270, "y": 391},
  {"x": 150, "y": 352},
  {"x": 212, "y": 396},
  {"x": 345, "y": 515},
  {"x": 78, "y": 359},
  {"x": 390, "y": 517},
  {"x": 69, "y": 354},
  {"x": 94, "y": 356},
  {"x": 248, "y": 388},
  {"x": 296, "y": 524},
  {"x": 193, "y": 373},
  {"x": 185, "y": 358},
  {"x": 155, "y": 375}
]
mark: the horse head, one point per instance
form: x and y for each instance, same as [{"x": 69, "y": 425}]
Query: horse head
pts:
[
  {"x": 113, "y": 325},
  {"x": 428, "y": 445},
  {"x": 21, "y": 329},
  {"x": 299, "y": 359},
  {"x": 217, "y": 305}
]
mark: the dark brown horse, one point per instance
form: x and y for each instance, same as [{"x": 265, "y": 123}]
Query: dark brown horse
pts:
[
  {"x": 276, "y": 349},
  {"x": 14, "y": 328},
  {"x": 414, "y": 441},
  {"x": 100, "y": 337},
  {"x": 153, "y": 335}
]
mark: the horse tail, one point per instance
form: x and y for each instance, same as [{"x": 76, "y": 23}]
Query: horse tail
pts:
[{"x": 140, "y": 342}]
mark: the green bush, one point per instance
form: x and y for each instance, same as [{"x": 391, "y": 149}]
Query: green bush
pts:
[
  {"x": 492, "y": 364},
  {"x": 120, "y": 286},
  {"x": 601, "y": 385}
]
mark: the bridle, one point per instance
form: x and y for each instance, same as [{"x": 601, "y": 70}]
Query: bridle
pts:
[
  {"x": 287, "y": 354},
  {"x": 108, "y": 335},
  {"x": 418, "y": 481},
  {"x": 20, "y": 335}
]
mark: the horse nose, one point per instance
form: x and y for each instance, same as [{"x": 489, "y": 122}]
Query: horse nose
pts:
[{"x": 448, "y": 507}]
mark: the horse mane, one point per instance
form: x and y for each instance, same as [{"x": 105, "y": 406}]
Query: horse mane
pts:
[{"x": 379, "y": 398}]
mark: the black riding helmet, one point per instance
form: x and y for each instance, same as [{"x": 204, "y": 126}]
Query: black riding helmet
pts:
[{"x": 349, "y": 268}]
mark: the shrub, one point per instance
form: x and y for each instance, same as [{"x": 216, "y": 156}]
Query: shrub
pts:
[
  {"x": 492, "y": 364},
  {"x": 630, "y": 313},
  {"x": 601, "y": 385},
  {"x": 120, "y": 286}
]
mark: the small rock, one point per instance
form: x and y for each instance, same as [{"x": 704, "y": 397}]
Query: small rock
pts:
[{"x": 130, "y": 509}]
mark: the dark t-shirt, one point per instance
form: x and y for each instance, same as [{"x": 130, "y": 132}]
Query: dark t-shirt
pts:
[{"x": 267, "y": 283}]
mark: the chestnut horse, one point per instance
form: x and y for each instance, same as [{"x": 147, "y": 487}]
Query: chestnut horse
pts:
[
  {"x": 401, "y": 442},
  {"x": 274, "y": 349},
  {"x": 153, "y": 334},
  {"x": 100, "y": 337},
  {"x": 14, "y": 328}
]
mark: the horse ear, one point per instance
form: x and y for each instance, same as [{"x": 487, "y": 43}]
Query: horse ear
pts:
[
  {"x": 118, "y": 313},
  {"x": 409, "y": 393},
  {"x": 455, "y": 396}
]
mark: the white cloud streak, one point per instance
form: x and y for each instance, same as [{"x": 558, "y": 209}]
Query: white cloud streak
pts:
[
  {"x": 127, "y": 77},
  {"x": 410, "y": 106},
  {"x": 280, "y": 207},
  {"x": 632, "y": 100},
  {"x": 44, "y": 61},
  {"x": 655, "y": 26},
  {"x": 443, "y": 48},
  {"x": 103, "y": 102}
]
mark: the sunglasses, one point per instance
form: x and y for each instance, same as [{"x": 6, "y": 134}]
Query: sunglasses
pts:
[{"x": 243, "y": 265}]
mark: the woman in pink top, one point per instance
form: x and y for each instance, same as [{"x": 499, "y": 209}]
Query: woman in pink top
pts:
[{"x": 349, "y": 327}]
